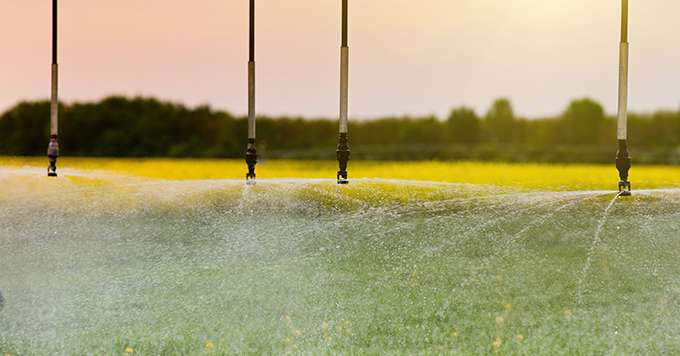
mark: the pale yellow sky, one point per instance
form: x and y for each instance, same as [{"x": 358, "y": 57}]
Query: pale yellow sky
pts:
[{"x": 407, "y": 57}]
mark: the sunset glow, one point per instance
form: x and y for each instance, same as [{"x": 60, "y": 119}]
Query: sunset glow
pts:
[{"x": 407, "y": 57}]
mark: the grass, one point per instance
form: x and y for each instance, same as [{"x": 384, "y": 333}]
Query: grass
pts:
[{"x": 106, "y": 261}]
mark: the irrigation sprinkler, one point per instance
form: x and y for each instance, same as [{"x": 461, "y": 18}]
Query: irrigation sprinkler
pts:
[
  {"x": 53, "y": 147},
  {"x": 623, "y": 160},
  {"x": 251, "y": 151},
  {"x": 343, "y": 151}
]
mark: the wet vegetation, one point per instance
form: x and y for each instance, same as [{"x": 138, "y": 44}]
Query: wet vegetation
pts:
[
  {"x": 147, "y": 127},
  {"x": 97, "y": 263}
]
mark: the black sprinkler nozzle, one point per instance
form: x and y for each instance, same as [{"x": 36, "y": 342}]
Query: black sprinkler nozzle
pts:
[
  {"x": 625, "y": 189},
  {"x": 251, "y": 160},
  {"x": 52, "y": 154},
  {"x": 343, "y": 153},
  {"x": 623, "y": 165}
]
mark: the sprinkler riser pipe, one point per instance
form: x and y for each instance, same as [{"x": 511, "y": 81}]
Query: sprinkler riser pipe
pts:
[
  {"x": 345, "y": 25},
  {"x": 251, "y": 32},
  {"x": 624, "y": 21},
  {"x": 251, "y": 159},
  {"x": 53, "y": 146},
  {"x": 52, "y": 155},
  {"x": 622, "y": 126},
  {"x": 251, "y": 150},
  {"x": 344, "y": 89},
  {"x": 343, "y": 154},
  {"x": 343, "y": 151},
  {"x": 55, "y": 25},
  {"x": 623, "y": 160},
  {"x": 623, "y": 164},
  {"x": 54, "y": 108},
  {"x": 252, "y": 120}
]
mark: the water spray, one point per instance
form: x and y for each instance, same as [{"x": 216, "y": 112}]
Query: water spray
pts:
[
  {"x": 53, "y": 147},
  {"x": 623, "y": 160},
  {"x": 251, "y": 151},
  {"x": 343, "y": 152}
]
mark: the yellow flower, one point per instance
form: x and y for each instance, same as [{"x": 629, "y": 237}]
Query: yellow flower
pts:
[
  {"x": 129, "y": 350},
  {"x": 520, "y": 338},
  {"x": 209, "y": 345},
  {"x": 454, "y": 333},
  {"x": 298, "y": 333},
  {"x": 508, "y": 307},
  {"x": 568, "y": 313},
  {"x": 500, "y": 319},
  {"x": 497, "y": 343}
]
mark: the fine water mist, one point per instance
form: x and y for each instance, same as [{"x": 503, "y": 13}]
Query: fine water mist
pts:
[{"x": 91, "y": 263}]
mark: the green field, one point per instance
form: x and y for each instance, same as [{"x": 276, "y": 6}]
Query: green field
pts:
[{"x": 110, "y": 259}]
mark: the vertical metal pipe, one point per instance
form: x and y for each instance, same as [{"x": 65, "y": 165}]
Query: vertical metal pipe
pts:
[
  {"x": 251, "y": 57},
  {"x": 251, "y": 151},
  {"x": 344, "y": 89},
  {"x": 623, "y": 160},
  {"x": 624, "y": 21},
  {"x": 623, "y": 75},
  {"x": 343, "y": 151},
  {"x": 251, "y": 102},
  {"x": 54, "y": 117},
  {"x": 344, "y": 22},
  {"x": 53, "y": 147},
  {"x": 251, "y": 75},
  {"x": 54, "y": 30},
  {"x": 344, "y": 71}
]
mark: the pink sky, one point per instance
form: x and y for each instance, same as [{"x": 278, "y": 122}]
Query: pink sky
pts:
[{"x": 407, "y": 57}]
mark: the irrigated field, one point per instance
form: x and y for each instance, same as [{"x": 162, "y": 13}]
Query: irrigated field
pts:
[{"x": 514, "y": 259}]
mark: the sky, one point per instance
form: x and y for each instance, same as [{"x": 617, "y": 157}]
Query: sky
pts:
[{"x": 407, "y": 57}]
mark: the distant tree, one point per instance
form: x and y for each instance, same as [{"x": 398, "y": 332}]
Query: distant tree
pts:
[
  {"x": 146, "y": 127},
  {"x": 582, "y": 122},
  {"x": 464, "y": 126},
  {"x": 24, "y": 129},
  {"x": 500, "y": 121},
  {"x": 661, "y": 128}
]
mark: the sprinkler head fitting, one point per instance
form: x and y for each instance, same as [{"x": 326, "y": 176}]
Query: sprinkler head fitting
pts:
[
  {"x": 342, "y": 178},
  {"x": 251, "y": 160},
  {"x": 624, "y": 189},
  {"x": 52, "y": 154},
  {"x": 623, "y": 164},
  {"x": 343, "y": 154},
  {"x": 52, "y": 169}
]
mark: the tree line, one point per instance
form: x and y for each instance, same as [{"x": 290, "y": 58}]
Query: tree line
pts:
[{"x": 147, "y": 127}]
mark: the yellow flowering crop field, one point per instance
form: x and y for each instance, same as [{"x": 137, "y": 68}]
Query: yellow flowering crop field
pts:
[{"x": 522, "y": 176}]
